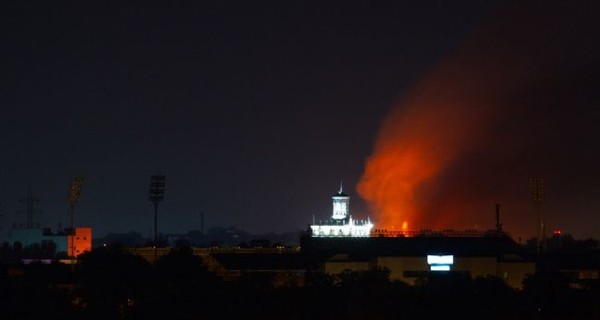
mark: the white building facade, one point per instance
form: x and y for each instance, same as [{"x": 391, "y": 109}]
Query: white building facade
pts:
[{"x": 341, "y": 223}]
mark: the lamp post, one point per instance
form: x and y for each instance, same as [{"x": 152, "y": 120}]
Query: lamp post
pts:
[
  {"x": 74, "y": 193},
  {"x": 157, "y": 194}
]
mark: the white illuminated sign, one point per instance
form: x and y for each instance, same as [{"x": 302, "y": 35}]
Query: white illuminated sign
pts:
[
  {"x": 446, "y": 259},
  {"x": 440, "y": 262},
  {"x": 440, "y": 268}
]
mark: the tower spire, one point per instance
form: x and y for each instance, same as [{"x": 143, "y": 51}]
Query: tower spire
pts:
[{"x": 341, "y": 187}]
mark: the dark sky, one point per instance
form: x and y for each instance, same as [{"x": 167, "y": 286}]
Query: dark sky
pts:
[{"x": 255, "y": 111}]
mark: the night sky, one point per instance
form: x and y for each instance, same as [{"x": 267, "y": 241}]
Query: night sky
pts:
[{"x": 256, "y": 111}]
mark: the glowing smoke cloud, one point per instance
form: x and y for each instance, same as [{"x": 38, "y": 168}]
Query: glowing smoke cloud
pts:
[
  {"x": 439, "y": 121},
  {"x": 420, "y": 174}
]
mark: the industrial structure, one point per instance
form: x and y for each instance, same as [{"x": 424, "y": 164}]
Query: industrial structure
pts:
[{"x": 71, "y": 241}]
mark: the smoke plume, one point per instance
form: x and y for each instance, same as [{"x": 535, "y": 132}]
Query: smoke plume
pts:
[{"x": 473, "y": 129}]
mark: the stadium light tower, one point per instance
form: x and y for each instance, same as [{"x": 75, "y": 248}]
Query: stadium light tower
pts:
[
  {"x": 537, "y": 190},
  {"x": 74, "y": 193},
  {"x": 157, "y": 194}
]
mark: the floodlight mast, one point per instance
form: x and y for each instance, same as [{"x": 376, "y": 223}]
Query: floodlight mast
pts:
[
  {"x": 74, "y": 193},
  {"x": 538, "y": 194},
  {"x": 157, "y": 192}
]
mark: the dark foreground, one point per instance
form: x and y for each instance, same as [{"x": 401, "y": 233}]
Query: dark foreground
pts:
[{"x": 111, "y": 284}]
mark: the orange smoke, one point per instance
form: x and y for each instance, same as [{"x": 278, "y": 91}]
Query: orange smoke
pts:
[
  {"x": 415, "y": 144},
  {"x": 447, "y": 114}
]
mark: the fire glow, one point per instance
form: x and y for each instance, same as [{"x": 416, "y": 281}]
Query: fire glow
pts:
[
  {"x": 417, "y": 142},
  {"x": 418, "y": 175}
]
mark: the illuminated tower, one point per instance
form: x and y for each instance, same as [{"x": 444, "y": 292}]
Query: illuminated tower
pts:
[
  {"x": 341, "y": 223},
  {"x": 341, "y": 202}
]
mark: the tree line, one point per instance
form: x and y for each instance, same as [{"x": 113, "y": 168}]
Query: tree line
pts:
[{"x": 109, "y": 283}]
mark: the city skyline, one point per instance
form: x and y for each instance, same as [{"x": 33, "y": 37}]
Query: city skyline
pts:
[{"x": 428, "y": 112}]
